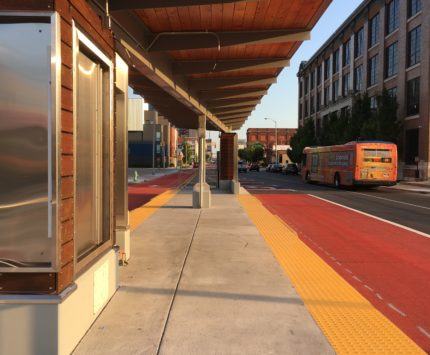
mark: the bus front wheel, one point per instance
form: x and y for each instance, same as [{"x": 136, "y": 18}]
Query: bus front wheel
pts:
[
  {"x": 336, "y": 180},
  {"x": 308, "y": 177}
]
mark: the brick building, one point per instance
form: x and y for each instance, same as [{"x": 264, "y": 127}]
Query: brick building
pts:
[
  {"x": 267, "y": 137},
  {"x": 382, "y": 44}
]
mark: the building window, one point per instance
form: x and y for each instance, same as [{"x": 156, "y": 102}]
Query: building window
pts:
[
  {"x": 346, "y": 54},
  {"x": 392, "y": 92},
  {"x": 392, "y": 16},
  {"x": 374, "y": 30},
  {"x": 373, "y": 70},
  {"x": 411, "y": 145},
  {"x": 359, "y": 42},
  {"x": 300, "y": 111},
  {"x": 312, "y": 104},
  {"x": 413, "y": 97},
  {"x": 414, "y": 6},
  {"x": 345, "y": 84},
  {"x": 319, "y": 74},
  {"x": 301, "y": 87},
  {"x": 327, "y": 69},
  {"x": 373, "y": 103},
  {"x": 414, "y": 46},
  {"x": 318, "y": 101},
  {"x": 358, "y": 78},
  {"x": 312, "y": 79},
  {"x": 306, "y": 85},
  {"x": 335, "y": 91},
  {"x": 306, "y": 108},
  {"x": 336, "y": 57},
  {"x": 391, "y": 60},
  {"x": 326, "y": 95}
]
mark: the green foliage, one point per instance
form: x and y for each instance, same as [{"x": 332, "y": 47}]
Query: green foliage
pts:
[
  {"x": 254, "y": 153},
  {"x": 304, "y": 137},
  {"x": 187, "y": 151}
]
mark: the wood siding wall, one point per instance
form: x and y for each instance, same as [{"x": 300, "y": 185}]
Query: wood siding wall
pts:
[{"x": 90, "y": 24}]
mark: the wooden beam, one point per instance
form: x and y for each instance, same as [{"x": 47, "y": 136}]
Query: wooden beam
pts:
[
  {"x": 170, "y": 41},
  {"x": 214, "y": 105},
  {"x": 222, "y": 111},
  {"x": 115, "y": 5},
  {"x": 229, "y": 115},
  {"x": 186, "y": 67},
  {"x": 231, "y": 94},
  {"x": 230, "y": 82},
  {"x": 227, "y": 118}
]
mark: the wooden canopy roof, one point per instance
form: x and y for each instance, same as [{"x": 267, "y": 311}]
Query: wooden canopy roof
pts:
[{"x": 209, "y": 57}]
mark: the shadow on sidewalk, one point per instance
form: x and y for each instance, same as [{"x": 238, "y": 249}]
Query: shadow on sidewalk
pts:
[{"x": 211, "y": 294}]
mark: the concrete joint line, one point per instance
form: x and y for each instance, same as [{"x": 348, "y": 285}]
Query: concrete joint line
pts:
[{"x": 169, "y": 310}]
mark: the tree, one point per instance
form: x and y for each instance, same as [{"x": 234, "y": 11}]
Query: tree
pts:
[
  {"x": 186, "y": 150},
  {"x": 304, "y": 137},
  {"x": 254, "y": 153}
]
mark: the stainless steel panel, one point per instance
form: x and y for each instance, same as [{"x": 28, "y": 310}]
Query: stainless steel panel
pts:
[
  {"x": 25, "y": 114},
  {"x": 87, "y": 159}
]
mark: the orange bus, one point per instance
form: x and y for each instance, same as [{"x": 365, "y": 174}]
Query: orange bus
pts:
[{"x": 369, "y": 163}]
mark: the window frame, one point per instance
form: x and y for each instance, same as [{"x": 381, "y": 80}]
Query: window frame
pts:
[
  {"x": 414, "y": 54},
  {"x": 373, "y": 72},
  {"x": 414, "y": 101},
  {"x": 392, "y": 60},
  {"x": 374, "y": 30},
  {"x": 392, "y": 16},
  {"x": 359, "y": 43},
  {"x": 80, "y": 39}
]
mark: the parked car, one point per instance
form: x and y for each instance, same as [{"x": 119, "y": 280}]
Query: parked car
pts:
[
  {"x": 276, "y": 168},
  {"x": 291, "y": 169},
  {"x": 254, "y": 167},
  {"x": 243, "y": 167},
  {"x": 269, "y": 167}
]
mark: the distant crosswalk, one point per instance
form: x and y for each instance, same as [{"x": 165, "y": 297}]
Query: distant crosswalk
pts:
[{"x": 252, "y": 184}]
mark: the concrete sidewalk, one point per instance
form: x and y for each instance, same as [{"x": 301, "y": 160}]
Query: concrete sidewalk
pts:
[{"x": 203, "y": 282}]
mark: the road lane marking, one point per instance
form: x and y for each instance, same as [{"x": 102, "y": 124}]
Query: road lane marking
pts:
[
  {"x": 369, "y": 215},
  {"x": 348, "y": 271},
  {"x": 394, "y": 308},
  {"x": 387, "y": 199},
  {"x": 369, "y": 288},
  {"x": 379, "y": 296},
  {"x": 425, "y": 332},
  {"x": 356, "y": 278}
]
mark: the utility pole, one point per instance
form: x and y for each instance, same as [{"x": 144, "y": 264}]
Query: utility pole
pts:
[{"x": 276, "y": 137}]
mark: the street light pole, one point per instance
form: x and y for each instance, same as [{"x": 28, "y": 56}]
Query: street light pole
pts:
[{"x": 276, "y": 137}]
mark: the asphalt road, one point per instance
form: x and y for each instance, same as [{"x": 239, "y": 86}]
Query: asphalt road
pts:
[{"x": 410, "y": 209}]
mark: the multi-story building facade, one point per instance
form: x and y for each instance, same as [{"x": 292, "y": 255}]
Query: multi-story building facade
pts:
[
  {"x": 267, "y": 138},
  {"x": 382, "y": 44}
]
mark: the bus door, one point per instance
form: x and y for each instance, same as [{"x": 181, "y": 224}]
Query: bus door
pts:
[{"x": 315, "y": 161}]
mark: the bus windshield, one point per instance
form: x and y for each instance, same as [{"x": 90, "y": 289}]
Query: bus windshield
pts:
[{"x": 377, "y": 155}]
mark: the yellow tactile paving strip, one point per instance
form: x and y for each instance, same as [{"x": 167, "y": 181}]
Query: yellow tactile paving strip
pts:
[
  {"x": 142, "y": 213},
  {"x": 350, "y": 322}
]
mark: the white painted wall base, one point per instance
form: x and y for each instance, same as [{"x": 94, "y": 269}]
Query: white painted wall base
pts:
[
  {"x": 122, "y": 238},
  {"x": 206, "y": 200},
  {"x": 51, "y": 325}
]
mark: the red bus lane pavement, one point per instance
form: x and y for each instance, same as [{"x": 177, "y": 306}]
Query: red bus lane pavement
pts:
[
  {"x": 387, "y": 264},
  {"x": 141, "y": 193}
]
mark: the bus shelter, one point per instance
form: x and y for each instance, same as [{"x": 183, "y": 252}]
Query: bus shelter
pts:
[{"x": 202, "y": 64}]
